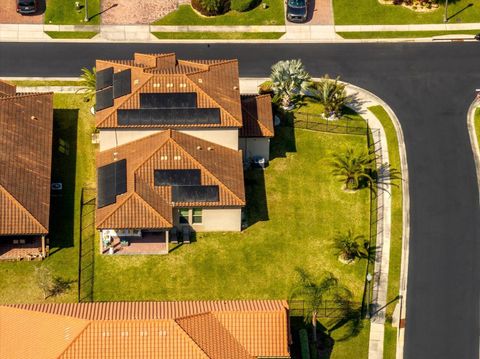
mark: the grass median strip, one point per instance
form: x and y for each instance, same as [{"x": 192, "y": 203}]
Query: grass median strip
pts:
[
  {"x": 477, "y": 124},
  {"x": 396, "y": 234},
  {"x": 185, "y": 15},
  {"x": 218, "y": 35},
  {"x": 71, "y": 34},
  {"x": 404, "y": 34}
]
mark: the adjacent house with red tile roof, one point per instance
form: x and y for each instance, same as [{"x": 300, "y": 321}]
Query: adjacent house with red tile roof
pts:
[
  {"x": 173, "y": 137},
  {"x": 193, "y": 329},
  {"x": 26, "y": 123}
]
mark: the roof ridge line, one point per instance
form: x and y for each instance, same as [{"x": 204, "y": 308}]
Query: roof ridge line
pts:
[
  {"x": 150, "y": 207},
  {"x": 115, "y": 210},
  {"x": 78, "y": 335},
  {"x": 205, "y": 168},
  {"x": 22, "y": 207},
  {"x": 191, "y": 339}
]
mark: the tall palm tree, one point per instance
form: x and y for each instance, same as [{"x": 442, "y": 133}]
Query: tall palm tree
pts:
[
  {"x": 88, "y": 83},
  {"x": 332, "y": 95},
  {"x": 352, "y": 166},
  {"x": 289, "y": 79},
  {"x": 316, "y": 293},
  {"x": 350, "y": 246}
]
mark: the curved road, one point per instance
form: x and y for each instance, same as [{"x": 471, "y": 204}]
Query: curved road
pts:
[{"x": 430, "y": 87}]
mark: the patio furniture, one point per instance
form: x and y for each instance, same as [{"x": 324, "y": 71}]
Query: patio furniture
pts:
[
  {"x": 186, "y": 234},
  {"x": 173, "y": 235}
]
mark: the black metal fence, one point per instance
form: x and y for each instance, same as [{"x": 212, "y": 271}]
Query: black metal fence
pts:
[
  {"x": 86, "y": 260},
  {"x": 328, "y": 309},
  {"x": 315, "y": 122}
]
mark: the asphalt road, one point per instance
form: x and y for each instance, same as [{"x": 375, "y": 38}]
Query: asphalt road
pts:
[{"x": 430, "y": 87}]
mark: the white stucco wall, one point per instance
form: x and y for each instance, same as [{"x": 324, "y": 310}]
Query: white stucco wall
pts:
[
  {"x": 217, "y": 220},
  {"x": 255, "y": 146},
  {"x": 110, "y": 138}
]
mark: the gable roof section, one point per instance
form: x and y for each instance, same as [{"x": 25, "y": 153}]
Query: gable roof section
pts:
[
  {"x": 257, "y": 116},
  {"x": 190, "y": 329},
  {"x": 215, "y": 83},
  {"x": 26, "y": 121},
  {"x": 145, "y": 205}
]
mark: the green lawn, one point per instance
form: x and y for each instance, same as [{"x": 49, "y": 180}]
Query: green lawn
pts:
[
  {"x": 218, "y": 35},
  {"x": 185, "y": 15},
  {"x": 396, "y": 229},
  {"x": 71, "y": 34},
  {"x": 62, "y": 12},
  {"x": 403, "y": 34},
  {"x": 72, "y": 166},
  {"x": 33, "y": 83},
  {"x": 371, "y": 12}
]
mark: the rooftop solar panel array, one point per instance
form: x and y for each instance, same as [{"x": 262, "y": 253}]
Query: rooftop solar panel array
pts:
[
  {"x": 195, "y": 194},
  {"x": 122, "y": 83},
  {"x": 112, "y": 181},
  {"x": 168, "y": 100},
  {"x": 104, "y": 78},
  {"x": 168, "y": 116},
  {"x": 177, "y": 177},
  {"x": 104, "y": 99}
]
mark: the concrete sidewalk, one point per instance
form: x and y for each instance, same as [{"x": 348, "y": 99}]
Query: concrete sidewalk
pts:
[{"x": 143, "y": 33}]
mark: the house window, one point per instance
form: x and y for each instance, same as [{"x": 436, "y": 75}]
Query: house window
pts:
[
  {"x": 197, "y": 215},
  {"x": 184, "y": 214}
]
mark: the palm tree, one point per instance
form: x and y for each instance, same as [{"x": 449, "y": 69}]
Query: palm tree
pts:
[
  {"x": 332, "y": 95},
  {"x": 88, "y": 83},
  {"x": 349, "y": 246},
  {"x": 352, "y": 166},
  {"x": 289, "y": 79},
  {"x": 316, "y": 294}
]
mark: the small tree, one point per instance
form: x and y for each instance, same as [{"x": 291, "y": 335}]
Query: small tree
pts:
[
  {"x": 332, "y": 95},
  {"x": 352, "y": 166},
  {"x": 289, "y": 79},
  {"x": 44, "y": 280},
  {"x": 316, "y": 293},
  {"x": 88, "y": 83},
  {"x": 350, "y": 247}
]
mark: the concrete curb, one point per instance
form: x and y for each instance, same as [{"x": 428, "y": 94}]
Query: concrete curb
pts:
[
  {"x": 474, "y": 140},
  {"x": 406, "y": 223}
]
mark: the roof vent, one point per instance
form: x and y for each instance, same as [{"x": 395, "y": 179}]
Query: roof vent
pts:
[
  {"x": 235, "y": 87},
  {"x": 210, "y": 148},
  {"x": 163, "y": 158},
  {"x": 169, "y": 85},
  {"x": 136, "y": 82},
  {"x": 115, "y": 156},
  {"x": 33, "y": 118},
  {"x": 177, "y": 158},
  {"x": 199, "y": 148},
  {"x": 156, "y": 85},
  {"x": 124, "y": 334},
  {"x": 200, "y": 81},
  {"x": 162, "y": 333}
]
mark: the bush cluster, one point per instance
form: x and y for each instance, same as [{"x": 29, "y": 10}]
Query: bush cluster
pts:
[{"x": 211, "y": 7}]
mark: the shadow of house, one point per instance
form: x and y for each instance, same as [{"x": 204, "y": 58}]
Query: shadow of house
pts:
[
  {"x": 284, "y": 140},
  {"x": 257, "y": 208},
  {"x": 65, "y": 123}
]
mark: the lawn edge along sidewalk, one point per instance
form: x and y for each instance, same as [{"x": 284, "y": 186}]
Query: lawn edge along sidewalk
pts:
[{"x": 473, "y": 139}]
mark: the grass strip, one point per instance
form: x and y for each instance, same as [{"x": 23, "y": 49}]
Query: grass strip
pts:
[
  {"x": 71, "y": 34},
  {"x": 218, "y": 35},
  {"x": 403, "y": 34}
]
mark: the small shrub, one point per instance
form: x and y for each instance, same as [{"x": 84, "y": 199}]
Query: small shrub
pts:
[
  {"x": 397, "y": 2},
  {"x": 211, "y": 7},
  {"x": 243, "y": 5},
  {"x": 265, "y": 88},
  {"x": 414, "y": 7},
  {"x": 428, "y": 5}
]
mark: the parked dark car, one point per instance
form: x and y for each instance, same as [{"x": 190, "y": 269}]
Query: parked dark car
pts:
[
  {"x": 297, "y": 10},
  {"x": 27, "y": 6}
]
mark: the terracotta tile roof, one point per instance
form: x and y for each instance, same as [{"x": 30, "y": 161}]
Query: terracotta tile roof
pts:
[
  {"x": 257, "y": 116},
  {"x": 26, "y": 122},
  {"x": 7, "y": 89},
  {"x": 147, "y": 206},
  {"x": 191, "y": 329},
  {"x": 216, "y": 84}
]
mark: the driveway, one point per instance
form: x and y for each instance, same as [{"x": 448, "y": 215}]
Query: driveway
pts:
[
  {"x": 430, "y": 87},
  {"x": 9, "y": 15},
  {"x": 128, "y": 12}
]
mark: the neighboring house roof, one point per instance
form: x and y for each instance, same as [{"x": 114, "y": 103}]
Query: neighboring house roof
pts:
[
  {"x": 191, "y": 329},
  {"x": 257, "y": 116},
  {"x": 145, "y": 205},
  {"x": 26, "y": 122},
  {"x": 215, "y": 82}
]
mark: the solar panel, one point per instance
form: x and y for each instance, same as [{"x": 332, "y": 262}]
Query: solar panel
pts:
[
  {"x": 122, "y": 83},
  {"x": 112, "y": 181},
  {"x": 168, "y": 100},
  {"x": 104, "y": 99},
  {"x": 177, "y": 177},
  {"x": 168, "y": 116},
  {"x": 195, "y": 194},
  {"x": 104, "y": 78}
]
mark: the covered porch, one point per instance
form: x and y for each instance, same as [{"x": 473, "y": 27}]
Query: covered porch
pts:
[
  {"x": 17, "y": 248},
  {"x": 131, "y": 243}
]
